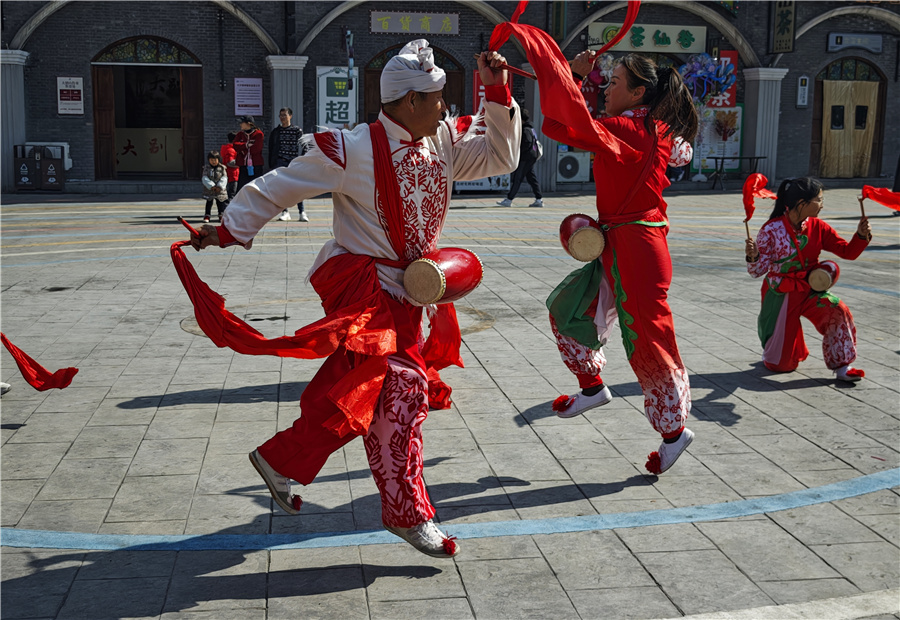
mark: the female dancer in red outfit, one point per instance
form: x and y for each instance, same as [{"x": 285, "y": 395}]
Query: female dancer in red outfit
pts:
[
  {"x": 650, "y": 110},
  {"x": 786, "y": 249}
]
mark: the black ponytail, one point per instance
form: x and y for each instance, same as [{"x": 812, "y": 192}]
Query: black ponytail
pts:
[
  {"x": 792, "y": 192},
  {"x": 665, "y": 93}
]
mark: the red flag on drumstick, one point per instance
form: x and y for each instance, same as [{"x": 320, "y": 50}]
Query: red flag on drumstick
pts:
[
  {"x": 36, "y": 375},
  {"x": 882, "y": 196},
  {"x": 754, "y": 187}
]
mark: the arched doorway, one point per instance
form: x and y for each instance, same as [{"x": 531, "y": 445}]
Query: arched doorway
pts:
[
  {"x": 848, "y": 120},
  {"x": 148, "y": 111},
  {"x": 454, "y": 90}
]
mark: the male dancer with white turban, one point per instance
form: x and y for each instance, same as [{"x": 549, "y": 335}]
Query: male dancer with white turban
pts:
[{"x": 390, "y": 183}]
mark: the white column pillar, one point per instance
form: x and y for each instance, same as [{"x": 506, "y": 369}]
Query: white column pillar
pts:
[
  {"x": 12, "y": 105},
  {"x": 287, "y": 85},
  {"x": 762, "y": 113},
  {"x": 545, "y": 169}
]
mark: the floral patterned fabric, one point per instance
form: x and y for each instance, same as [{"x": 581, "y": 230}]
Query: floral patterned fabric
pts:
[{"x": 786, "y": 255}]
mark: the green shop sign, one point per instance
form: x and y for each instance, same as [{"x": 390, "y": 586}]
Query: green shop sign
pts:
[{"x": 650, "y": 38}]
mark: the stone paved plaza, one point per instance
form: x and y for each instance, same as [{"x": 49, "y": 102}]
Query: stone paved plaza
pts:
[{"x": 555, "y": 518}]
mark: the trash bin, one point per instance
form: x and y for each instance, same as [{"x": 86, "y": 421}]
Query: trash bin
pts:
[
  {"x": 51, "y": 165},
  {"x": 25, "y": 166}
]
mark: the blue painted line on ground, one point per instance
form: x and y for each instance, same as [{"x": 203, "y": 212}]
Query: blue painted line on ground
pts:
[{"x": 39, "y": 539}]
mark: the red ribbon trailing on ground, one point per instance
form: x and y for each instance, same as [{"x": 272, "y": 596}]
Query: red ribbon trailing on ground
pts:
[
  {"x": 561, "y": 98},
  {"x": 755, "y": 187},
  {"x": 882, "y": 196},
  {"x": 36, "y": 375}
]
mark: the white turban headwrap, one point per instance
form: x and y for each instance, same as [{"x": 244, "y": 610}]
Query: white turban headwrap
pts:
[{"x": 412, "y": 69}]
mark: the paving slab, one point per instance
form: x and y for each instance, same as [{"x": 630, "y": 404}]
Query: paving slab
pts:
[{"x": 151, "y": 438}]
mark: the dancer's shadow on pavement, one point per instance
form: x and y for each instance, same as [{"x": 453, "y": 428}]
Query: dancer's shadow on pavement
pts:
[
  {"x": 147, "y": 580},
  {"x": 714, "y": 405},
  {"x": 269, "y": 393}
]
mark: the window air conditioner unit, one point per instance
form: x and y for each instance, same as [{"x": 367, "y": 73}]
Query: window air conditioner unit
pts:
[{"x": 572, "y": 167}]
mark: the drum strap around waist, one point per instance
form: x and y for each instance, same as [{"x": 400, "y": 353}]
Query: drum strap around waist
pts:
[{"x": 645, "y": 218}]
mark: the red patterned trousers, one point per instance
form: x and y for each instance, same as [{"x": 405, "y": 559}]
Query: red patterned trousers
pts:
[
  {"x": 637, "y": 265},
  {"x": 394, "y": 441}
]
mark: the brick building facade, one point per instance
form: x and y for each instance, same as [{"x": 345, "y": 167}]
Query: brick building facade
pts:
[{"x": 283, "y": 43}]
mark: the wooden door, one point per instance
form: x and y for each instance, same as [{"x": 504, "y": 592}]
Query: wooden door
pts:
[
  {"x": 372, "y": 103},
  {"x": 104, "y": 123},
  {"x": 192, "y": 121},
  {"x": 455, "y": 92}
]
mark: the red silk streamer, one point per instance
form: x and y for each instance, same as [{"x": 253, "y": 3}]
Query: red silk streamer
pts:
[
  {"x": 357, "y": 319},
  {"x": 36, "y": 375},
  {"x": 630, "y": 17},
  {"x": 755, "y": 187},
  {"x": 561, "y": 99},
  {"x": 882, "y": 196}
]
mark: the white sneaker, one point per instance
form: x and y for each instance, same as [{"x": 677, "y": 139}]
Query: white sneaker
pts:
[
  {"x": 285, "y": 216},
  {"x": 303, "y": 217},
  {"x": 4, "y": 388},
  {"x": 279, "y": 486},
  {"x": 849, "y": 373},
  {"x": 427, "y": 538},
  {"x": 658, "y": 462},
  {"x": 537, "y": 203},
  {"x": 571, "y": 406},
  {"x": 506, "y": 202}
]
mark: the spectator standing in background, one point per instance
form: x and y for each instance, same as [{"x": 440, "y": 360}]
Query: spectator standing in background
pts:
[
  {"x": 284, "y": 147},
  {"x": 248, "y": 145},
  {"x": 529, "y": 153},
  {"x": 228, "y": 158}
]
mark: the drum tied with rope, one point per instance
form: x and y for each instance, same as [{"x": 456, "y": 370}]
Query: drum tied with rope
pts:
[
  {"x": 823, "y": 276},
  {"x": 581, "y": 237},
  {"x": 443, "y": 276}
]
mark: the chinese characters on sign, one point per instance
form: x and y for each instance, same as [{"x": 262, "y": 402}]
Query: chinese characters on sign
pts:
[
  {"x": 69, "y": 95},
  {"x": 782, "y": 26},
  {"x": 148, "y": 150},
  {"x": 336, "y": 98},
  {"x": 650, "y": 38},
  {"x": 728, "y": 62},
  {"x": 248, "y": 96},
  {"x": 397, "y": 22}
]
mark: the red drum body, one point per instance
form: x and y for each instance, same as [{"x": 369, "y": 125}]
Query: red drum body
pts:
[
  {"x": 581, "y": 237},
  {"x": 443, "y": 276},
  {"x": 824, "y": 276}
]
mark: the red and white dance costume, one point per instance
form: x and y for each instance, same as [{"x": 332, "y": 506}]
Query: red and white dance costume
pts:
[
  {"x": 785, "y": 258},
  {"x": 385, "y": 399},
  {"x": 637, "y": 269}
]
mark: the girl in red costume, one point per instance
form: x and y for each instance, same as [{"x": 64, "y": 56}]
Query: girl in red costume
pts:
[
  {"x": 650, "y": 110},
  {"x": 786, "y": 249}
]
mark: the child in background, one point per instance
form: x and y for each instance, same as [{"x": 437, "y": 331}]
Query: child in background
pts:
[
  {"x": 229, "y": 160},
  {"x": 214, "y": 178}
]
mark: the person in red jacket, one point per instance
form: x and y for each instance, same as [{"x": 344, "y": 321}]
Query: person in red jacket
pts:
[
  {"x": 248, "y": 144},
  {"x": 786, "y": 249},
  {"x": 229, "y": 160},
  {"x": 651, "y": 111}
]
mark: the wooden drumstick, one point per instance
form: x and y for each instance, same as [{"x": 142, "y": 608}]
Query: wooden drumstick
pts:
[
  {"x": 862, "y": 208},
  {"x": 513, "y": 70},
  {"x": 747, "y": 226}
]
